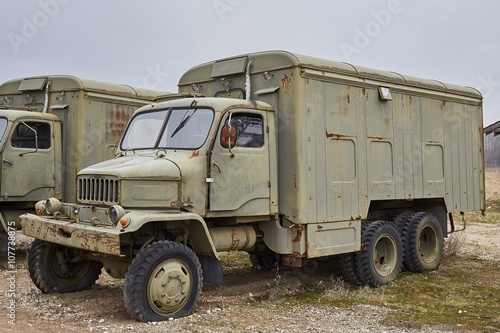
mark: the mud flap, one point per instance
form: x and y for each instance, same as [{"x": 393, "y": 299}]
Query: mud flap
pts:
[{"x": 212, "y": 269}]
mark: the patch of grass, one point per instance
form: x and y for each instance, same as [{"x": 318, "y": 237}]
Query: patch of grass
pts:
[
  {"x": 493, "y": 205},
  {"x": 235, "y": 260},
  {"x": 463, "y": 293},
  {"x": 491, "y": 216}
]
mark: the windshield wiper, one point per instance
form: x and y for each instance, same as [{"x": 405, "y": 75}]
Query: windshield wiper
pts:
[{"x": 184, "y": 118}]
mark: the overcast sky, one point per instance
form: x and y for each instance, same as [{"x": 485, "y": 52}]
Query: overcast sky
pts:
[{"x": 151, "y": 43}]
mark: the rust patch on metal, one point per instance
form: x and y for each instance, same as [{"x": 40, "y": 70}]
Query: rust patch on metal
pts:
[
  {"x": 298, "y": 237},
  {"x": 294, "y": 178},
  {"x": 337, "y": 136},
  {"x": 195, "y": 153},
  {"x": 117, "y": 117},
  {"x": 348, "y": 96},
  {"x": 376, "y": 137},
  {"x": 286, "y": 83},
  {"x": 292, "y": 260}
]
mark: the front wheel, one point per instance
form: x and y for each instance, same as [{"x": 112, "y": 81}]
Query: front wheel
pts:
[
  {"x": 380, "y": 258},
  {"x": 164, "y": 281},
  {"x": 54, "y": 268}
]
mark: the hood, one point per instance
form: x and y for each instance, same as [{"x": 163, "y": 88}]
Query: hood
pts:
[{"x": 139, "y": 166}]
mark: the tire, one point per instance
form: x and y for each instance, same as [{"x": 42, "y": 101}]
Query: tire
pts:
[
  {"x": 401, "y": 222},
  {"x": 50, "y": 276},
  {"x": 163, "y": 281},
  {"x": 402, "y": 219},
  {"x": 348, "y": 263},
  {"x": 380, "y": 258},
  {"x": 348, "y": 268},
  {"x": 423, "y": 243}
]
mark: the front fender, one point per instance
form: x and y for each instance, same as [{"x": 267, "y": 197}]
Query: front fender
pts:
[{"x": 201, "y": 241}]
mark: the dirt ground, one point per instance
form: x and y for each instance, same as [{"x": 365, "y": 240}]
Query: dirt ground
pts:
[{"x": 235, "y": 306}]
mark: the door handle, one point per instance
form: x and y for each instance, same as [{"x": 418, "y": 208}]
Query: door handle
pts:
[
  {"x": 7, "y": 161},
  {"x": 217, "y": 165}
]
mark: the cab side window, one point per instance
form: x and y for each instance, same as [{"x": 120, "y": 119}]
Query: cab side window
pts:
[
  {"x": 249, "y": 130},
  {"x": 29, "y": 134}
]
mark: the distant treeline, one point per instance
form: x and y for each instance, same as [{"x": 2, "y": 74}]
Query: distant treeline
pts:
[{"x": 492, "y": 150}]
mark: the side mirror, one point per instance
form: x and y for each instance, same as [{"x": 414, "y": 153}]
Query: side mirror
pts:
[{"x": 228, "y": 137}]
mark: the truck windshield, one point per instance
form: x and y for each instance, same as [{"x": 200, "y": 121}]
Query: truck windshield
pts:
[
  {"x": 3, "y": 127},
  {"x": 162, "y": 129}
]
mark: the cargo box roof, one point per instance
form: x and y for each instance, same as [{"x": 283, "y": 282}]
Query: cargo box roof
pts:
[
  {"x": 274, "y": 60},
  {"x": 72, "y": 83}
]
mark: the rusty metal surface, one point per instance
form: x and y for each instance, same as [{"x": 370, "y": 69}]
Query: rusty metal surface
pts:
[{"x": 80, "y": 236}]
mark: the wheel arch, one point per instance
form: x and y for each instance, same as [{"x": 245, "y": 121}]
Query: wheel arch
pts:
[{"x": 197, "y": 231}]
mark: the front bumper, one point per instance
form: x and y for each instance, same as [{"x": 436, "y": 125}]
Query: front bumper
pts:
[{"x": 86, "y": 237}]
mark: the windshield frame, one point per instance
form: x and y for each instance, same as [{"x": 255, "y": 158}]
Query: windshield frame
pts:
[
  {"x": 163, "y": 128},
  {"x": 3, "y": 130},
  {"x": 3, "y": 127}
]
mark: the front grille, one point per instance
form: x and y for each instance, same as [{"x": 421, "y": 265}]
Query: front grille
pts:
[{"x": 98, "y": 190}]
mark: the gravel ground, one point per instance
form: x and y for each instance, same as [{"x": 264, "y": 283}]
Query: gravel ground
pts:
[{"x": 235, "y": 306}]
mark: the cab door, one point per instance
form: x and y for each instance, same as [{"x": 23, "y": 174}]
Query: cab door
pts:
[
  {"x": 239, "y": 169},
  {"x": 28, "y": 162}
]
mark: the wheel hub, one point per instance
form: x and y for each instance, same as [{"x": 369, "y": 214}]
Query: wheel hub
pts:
[
  {"x": 383, "y": 256},
  {"x": 169, "y": 287},
  {"x": 428, "y": 246}
]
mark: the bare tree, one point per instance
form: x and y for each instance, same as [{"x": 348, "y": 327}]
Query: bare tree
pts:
[{"x": 492, "y": 150}]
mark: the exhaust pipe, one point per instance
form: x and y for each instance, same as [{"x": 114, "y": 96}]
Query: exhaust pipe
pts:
[
  {"x": 46, "y": 102},
  {"x": 248, "y": 86}
]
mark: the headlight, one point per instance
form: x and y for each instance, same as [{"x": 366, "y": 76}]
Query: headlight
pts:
[
  {"x": 40, "y": 207},
  {"x": 52, "y": 205},
  {"x": 115, "y": 213}
]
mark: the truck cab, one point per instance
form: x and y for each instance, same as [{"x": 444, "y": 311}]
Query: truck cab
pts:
[
  {"x": 173, "y": 181},
  {"x": 28, "y": 140}
]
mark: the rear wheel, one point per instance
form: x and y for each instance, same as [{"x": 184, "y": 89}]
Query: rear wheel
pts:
[
  {"x": 380, "y": 258},
  {"x": 55, "y": 268},
  {"x": 402, "y": 222},
  {"x": 264, "y": 259},
  {"x": 423, "y": 243},
  {"x": 348, "y": 268},
  {"x": 164, "y": 281},
  {"x": 348, "y": 264}
]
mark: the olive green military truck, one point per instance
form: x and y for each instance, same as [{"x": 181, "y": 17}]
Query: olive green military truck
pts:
[
  {"x": 287, "y": 157},
  {"x": 50, "y": 128}
]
